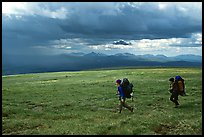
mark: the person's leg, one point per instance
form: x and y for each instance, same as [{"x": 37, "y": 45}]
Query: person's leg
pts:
[
  {"x": 128, "y": 107},
  {"x": 172, "y": 97},
  {"x": 120, "y": 106},
  {"x": 176, "y": 99}
]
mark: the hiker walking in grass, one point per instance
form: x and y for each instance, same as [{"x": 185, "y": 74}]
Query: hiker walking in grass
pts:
[
  {"x": 177, "y": 87},
  {"x": 173, "y": 91},
  {"x": 122, "y": 97}
]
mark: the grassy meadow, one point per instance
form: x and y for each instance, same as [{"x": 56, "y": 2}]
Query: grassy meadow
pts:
[{"x": 84, "y": 103}]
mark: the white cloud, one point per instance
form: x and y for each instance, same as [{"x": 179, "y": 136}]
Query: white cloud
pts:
[
  {"x": 58, "y": 13},
  {"x": 110, "y": 47},
  {"x": 13, "y": 7},
  {"x": 62, "y": 46},
  {"x": 168, "y": 47},
  {"x": 193, "y": 41},
  {"x": 69, "y": 41},
  {"x": 34, "y": 8},
  {"x": 162, "y": 5},
  {"x": 197, "y": 38}
]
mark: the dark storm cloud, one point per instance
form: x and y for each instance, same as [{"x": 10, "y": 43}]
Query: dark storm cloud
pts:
[
  {"x": 37, "y": 27},
  {"x": 83, "y": 24},
  {"x": 146, "y": 21},
  {"x": 129, "y": 20},
  {"x": 21, "y": 34},
  {"x": 121, "y": 42}
]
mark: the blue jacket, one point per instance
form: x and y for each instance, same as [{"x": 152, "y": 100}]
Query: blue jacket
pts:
[{"x": 121, "y": 92}]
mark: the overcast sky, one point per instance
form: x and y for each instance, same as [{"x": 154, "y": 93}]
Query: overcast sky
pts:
[{"x": 166, "y": 28}]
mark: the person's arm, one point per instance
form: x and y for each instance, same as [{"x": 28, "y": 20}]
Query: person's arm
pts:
[
  {"x": 122, "y": 100},
  {"x": 121, "y": 93},
  {"x": 171, "y": 88}
]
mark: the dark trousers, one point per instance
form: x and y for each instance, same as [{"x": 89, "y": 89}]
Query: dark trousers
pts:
[
  {"x": 174, "y": 97},
  {"x": 123, "y": 104}
]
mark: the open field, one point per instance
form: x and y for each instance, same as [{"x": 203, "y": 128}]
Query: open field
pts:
[{"x": 84, "y": 102}]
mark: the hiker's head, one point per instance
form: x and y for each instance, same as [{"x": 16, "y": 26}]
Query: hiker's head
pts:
[
  {"x": 171, "y": 79},
  {"x": 118, "y": 82}
]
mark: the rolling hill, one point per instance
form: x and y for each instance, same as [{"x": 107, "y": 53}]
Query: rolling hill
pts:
[{"x": 17, "y": 64}]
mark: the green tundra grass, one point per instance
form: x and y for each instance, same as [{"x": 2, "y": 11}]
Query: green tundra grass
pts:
[{"x": 84, "y": 103}]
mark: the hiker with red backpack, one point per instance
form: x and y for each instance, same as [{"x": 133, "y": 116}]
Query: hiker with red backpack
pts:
[
  {"x": 122, "y": 97},
  {"x": 176, "y": 88}
]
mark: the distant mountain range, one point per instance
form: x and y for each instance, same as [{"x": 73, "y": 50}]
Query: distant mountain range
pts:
[{"x": 17, "y": 64}]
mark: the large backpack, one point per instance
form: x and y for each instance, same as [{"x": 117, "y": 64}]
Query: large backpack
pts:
[
  {"x": 127, "y": 88},
  {"x": 180, "y": 85}
]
